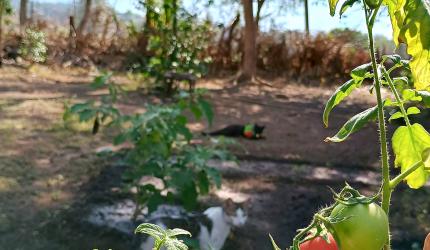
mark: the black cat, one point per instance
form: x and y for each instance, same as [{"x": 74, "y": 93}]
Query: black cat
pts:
[{"x": 250, "y": 131}]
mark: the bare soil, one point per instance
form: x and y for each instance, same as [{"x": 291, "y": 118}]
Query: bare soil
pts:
[{"x": 50, "y": 175}]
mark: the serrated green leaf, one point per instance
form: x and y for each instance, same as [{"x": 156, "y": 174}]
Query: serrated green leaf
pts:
[
  {"x": 275, "y": 247},
  {"x": 332, "y": 4},
  {"x": 354, "y": 124},
  {"x": 425, "y": 95},
  {"x": 361, "y": 72},
  {"x": 206, "y": 107},
  {"x": 408, "y": 147},
  {"x": 346, "y": 5},
  {"x": 416, "y": 30},
  {"x": 410, "y": 20},
  {"x": 100, "y": 81},
  {"x": 413, "y": 111},
  {"x": 396, "y": 115},
  {"x": 410, "y": 95},
  {"x": 196, "y": 111},
  {"x": 396, "y": 59},
  {"x": 176, "y": 232},
  {"x": 203, "y": 182},
  {"x": 76, "y": 108},
  {"x": 175, "y": 244},
  {"x": 153, "y": 230},
  {"x": 87, "y": 115},
  {"x": 340, "y": 93},
  {"x": 215, "y": 175}
]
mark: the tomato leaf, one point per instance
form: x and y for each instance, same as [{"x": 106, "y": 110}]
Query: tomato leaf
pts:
[
  {"x": 341, "y": 93},
  {"x": 333, "y": 5},
  {"x": 408, "y": 147},
  {"x": 354, "y": 124},
  {"x": 346, "y": 5},
  {"x": 207, "y": 110},
  {"x": 358, "y": 75},
  {"x": 410, "y": 20},
  {"x": 425, "y": 95}
]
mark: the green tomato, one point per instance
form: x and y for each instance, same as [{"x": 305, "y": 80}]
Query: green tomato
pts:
[
  {"x": 365, "y": 227},
  {"x": 372, "y": 3}
]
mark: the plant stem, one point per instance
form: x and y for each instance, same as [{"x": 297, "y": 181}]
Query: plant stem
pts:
[
  {"x": 386, "y": 191},
  {"x": 396, "y": 95},
  {"x": 394, "y": 182}
]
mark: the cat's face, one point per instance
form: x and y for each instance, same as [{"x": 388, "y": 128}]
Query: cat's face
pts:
[
  {"x": 258, "y": 130},
  {"x": 236, "y": 212}
]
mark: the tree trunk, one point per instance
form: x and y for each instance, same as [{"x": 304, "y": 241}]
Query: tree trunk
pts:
[
  {"x": 1, "y": 37},
  {"x": 306, "y": 2},
  {"x": 85, "y": 18},
  {"x": 249, "y": 64},
  {"x": 23, "y": 13}
]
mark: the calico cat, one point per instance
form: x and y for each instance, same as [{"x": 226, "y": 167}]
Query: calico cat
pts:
[
  {"x": 212, "y": 228},
  {"x": 250, "y": 131}
]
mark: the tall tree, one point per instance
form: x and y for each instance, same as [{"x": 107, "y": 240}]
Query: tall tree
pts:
[
  {"x": 23, "y": 13},
  {"x": 5, "y": 9},
  {"x": 249, "y": 64},
  {"x": 85, "y": 18}
]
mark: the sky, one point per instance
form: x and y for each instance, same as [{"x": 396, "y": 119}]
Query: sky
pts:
[{"x": 287, "y": 18}]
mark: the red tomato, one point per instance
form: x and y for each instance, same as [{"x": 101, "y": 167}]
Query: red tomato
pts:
[
  {"x": 319, "y": 244},
  {"x": 427, "y": 243}
]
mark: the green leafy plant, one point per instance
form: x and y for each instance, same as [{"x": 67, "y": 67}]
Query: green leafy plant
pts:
[
  {"x": 164, "y": 238},
  {"x": 356, "y": 221},
  {"x": 170, "y": 45},
  {"x": 162, "y": 147},
  {"x": 33, "y": 45},
  {"x": 5, "y": 10}
]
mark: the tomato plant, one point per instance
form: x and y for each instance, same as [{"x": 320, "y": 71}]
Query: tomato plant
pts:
[
  {"x": 162, "y": 147},
  {"x": 356, "y": 221}
]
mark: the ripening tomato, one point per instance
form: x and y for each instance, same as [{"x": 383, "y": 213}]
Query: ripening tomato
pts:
[
  {"x": 365, "y": 227},
  {"x": 427, "y": 243},
  {"x": 319, "y": 244}
]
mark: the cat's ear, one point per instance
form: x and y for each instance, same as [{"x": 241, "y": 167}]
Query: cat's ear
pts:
[{"x": 229, "y": 206}]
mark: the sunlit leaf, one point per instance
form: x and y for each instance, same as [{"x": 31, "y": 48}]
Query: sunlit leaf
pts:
[
  {"x": 408, "y": 147},
  {"x": 413, "y": 111},
  {"x": 354, "y": 124},
  {"x": 410, "y": 111},
  {"x": 332, "y": 4},
  {"x": 176, "y": 232},
  {"x": 411, "y": 25},
  {"x": 416, "y": 32},
  {"x": 425, "y": 95},
  {"x": 150, "y": 229},
  {"x": 341, "y": 93}
]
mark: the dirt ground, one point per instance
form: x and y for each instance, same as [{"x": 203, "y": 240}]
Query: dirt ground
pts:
[{"x": 50, "y": 175}]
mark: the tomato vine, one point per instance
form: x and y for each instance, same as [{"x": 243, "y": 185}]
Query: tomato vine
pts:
[{"x": 347, "y": 217}]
